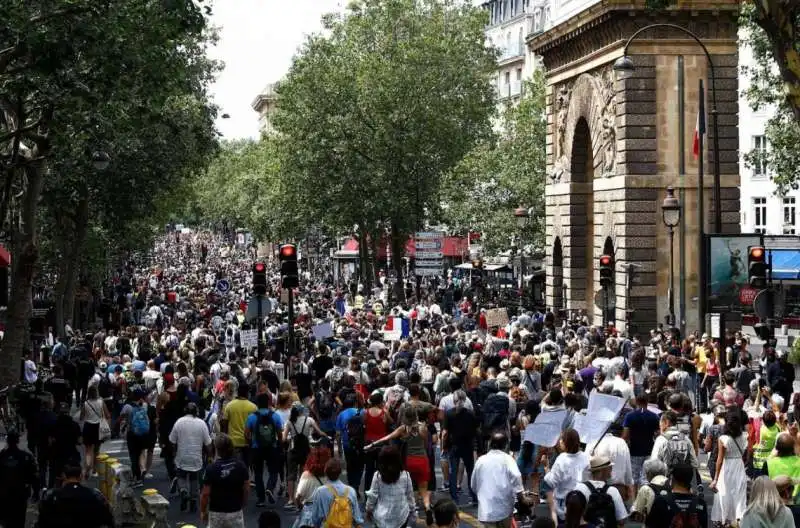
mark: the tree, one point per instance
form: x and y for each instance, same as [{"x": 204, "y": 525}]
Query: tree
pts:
[
  {"x": 503, "y": 174},
  {"x": 61, "y": 62},
  {"x": 377, "y": 109},
  {"x": 765, "y": 92}
]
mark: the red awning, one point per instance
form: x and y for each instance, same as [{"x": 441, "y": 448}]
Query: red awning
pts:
[
  {"x": 5, "y": 257},
  {"x": 454, "y": 247}
]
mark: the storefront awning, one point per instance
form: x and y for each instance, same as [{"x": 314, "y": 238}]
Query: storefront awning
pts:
[
  {"x": 5, "y": 257},
  {"x": 785, "y": 264}
]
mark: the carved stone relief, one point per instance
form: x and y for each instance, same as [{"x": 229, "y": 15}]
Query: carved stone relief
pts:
[{"x": 589, "y": 96}]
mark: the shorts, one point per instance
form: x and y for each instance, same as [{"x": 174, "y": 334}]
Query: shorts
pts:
[
  {"x": 529, "y": 468},
  {"x": 419, "y": 468},
  {"x": 91, "y": 433},
  {"x": 637, "y": 467}
]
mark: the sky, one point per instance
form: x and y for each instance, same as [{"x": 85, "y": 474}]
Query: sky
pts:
[{"x": 258, "y": 39}]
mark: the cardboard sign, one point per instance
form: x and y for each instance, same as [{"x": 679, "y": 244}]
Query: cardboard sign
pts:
[
  {"x": 589, "y": 429},
  {"x": 547, "y": 428},
  {"x": 604, "y": 407},
  {"x": 496, "y": 317},
  {"x": 248, "y": 338}
]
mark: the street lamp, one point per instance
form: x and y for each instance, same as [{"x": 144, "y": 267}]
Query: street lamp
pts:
[
  {"x": 624, "y": 65},
  {"x": 671, "y": 213},
  {"x": 522, "y": 215},
  {"x": 100, "y": 160}
]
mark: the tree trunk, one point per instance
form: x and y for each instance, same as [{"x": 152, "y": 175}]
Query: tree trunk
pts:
[
  {"x": 398, "y": 252},
  {"x": 777, "y": 19},
  {"x": 60, "y": 288},
  {"x": 362, "y": 255},
  {"x": 24, "y": 256},
  {"x": 78, "y": 241}
]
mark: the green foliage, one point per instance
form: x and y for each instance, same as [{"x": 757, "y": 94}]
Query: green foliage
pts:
[
  {"x": 500, "y": 175},
  {"x": 766, "y": 92},
  {"x": 374, "y": 112}
]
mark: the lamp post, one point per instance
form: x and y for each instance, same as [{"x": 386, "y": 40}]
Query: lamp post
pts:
[
  {"x": 671, "y": 213},
  {"x": 522, "y": 215},
  {"x": 625, "y": 65}
]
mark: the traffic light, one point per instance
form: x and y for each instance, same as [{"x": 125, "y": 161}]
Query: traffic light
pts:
[
  {"x": 260, "y": 278},
  {"x": 757, "y": 267},
  {"x": 290, "y": 276},
  {"x": 606, "y": 270}
]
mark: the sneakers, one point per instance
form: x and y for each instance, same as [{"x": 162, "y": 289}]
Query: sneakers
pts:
[
  {"x": 184, "y": 500},
  {"x": 261, "y": 504},
  {"x": 290, "y": 507},
  {"x": 173, "y": 487},
  {"x": 137, "y": 484},
  {"x": 271, "y": 497}
]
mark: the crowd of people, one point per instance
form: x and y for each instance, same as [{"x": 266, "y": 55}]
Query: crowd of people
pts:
[{"x": 349, "y": 427}]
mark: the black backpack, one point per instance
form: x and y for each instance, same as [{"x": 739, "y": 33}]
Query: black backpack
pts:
[
  {"x": 355, "y": 431},
  {"x": 600, "y": 509},
  {"x": 495, "y": 412},
  {"x": 300, "y": 445},
  {"x": 325, "y": 405}
]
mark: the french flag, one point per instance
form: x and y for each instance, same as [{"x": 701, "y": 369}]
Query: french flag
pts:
[
  {"x": 700, "y": 127},
  {"x": 395, "y": 328}
]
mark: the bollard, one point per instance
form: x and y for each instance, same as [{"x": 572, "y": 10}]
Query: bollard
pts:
[
  {"x": 114, "y": 480},
  {"x": 100, "y": 467},
  {"x": 110, "y": 476}
]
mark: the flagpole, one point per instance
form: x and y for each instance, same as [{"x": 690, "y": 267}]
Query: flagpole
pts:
[{"x": 701, "y": 235}]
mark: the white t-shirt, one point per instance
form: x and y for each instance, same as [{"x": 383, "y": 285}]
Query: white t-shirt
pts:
[
  {"x": 190, "y": 434},
  {"x": 303, "y": 425},
  {"x": 446, "y": 403}
]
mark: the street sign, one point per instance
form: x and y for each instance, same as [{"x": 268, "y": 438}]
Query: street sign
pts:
[
  {"x": 747, "y": 294},
  {"x": 599, "y": 300},
  {"x": 429, "y": 255},
  {"x": 761, "y": 304},
  {"x": 252, "y": 308},
  {"x": 223, "y": 286}
]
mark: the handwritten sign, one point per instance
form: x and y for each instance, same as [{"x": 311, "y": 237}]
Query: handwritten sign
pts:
[
  {"x": 546, "y": 428},
  {"x": 496, "y": 317},
  {"x": 248, "y": 338},
  {"x": 601, "y": 412},
  {"x": 589, "y": 429}
]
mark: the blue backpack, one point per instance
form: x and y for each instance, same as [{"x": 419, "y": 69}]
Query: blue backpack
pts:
[{"x": 140, "y": 421}]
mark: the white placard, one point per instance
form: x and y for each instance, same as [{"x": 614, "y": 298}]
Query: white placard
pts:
[
  {"x": 547, "y": 428},
  {"x": 715, "y": 326},
  {"x": 323, "y": 330},
  {"x": 604, "y": 407},
  {"x": 589, "y": 429},
  {"x": 248, "y": 338}
]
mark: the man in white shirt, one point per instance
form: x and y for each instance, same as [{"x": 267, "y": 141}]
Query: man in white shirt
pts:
[
  {"x": 600, "y": 469},
  {"x": 497, "y": 482},
  {"x": 190, "y": 437},
  {"x": 31, "y": 371},
  {"x": 616, "y": 450}
]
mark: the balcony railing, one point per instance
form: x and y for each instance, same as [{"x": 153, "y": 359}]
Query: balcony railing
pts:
[
  {"x": 512, "y": 89},
  {"x": 515, "y": 50}
]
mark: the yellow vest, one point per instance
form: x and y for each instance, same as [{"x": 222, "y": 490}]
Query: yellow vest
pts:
[
  {"x": 765, "y": 445},
  {"x": 789, "y": 466}
]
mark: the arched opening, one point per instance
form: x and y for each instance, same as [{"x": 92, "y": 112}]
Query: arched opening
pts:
[
  {"x": 611, "y": 302},
  {"x": 581, "y": 219},
  {"x": 557, "y": 294}
]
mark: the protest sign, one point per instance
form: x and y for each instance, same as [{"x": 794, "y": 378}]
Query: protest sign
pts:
[
  {"x": 589, "y": 429},
  {"x": 601, "y": 412},
  {"x": 322, "y": 330},
  {"x": 496, "y": 317},
  {"x": 248, "y": 338},
  {"x": 546, "y": 429}
]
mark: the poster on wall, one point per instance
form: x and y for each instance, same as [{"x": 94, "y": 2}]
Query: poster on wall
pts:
[{"x": 728, "y": 287}]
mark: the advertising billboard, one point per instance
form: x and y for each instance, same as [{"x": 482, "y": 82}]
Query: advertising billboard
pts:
[{"x": 728, "y": 284}]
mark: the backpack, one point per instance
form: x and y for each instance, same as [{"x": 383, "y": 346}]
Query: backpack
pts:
[
  {"x": 300, "y": 445},
  {"x": 140, "y": 421},
  {"x": 600, "y": 509},
  {"x": 687, "y": 518},
  {"x": 355, "y": 431},
  {"x": 104, "y": 389},
  {"x": 676, "y": 451},
  {"x": 266, "y": 435},
  {"x": 325, "y": 405},
  {"x": 495, "y": 412},
  {"x": 340, "y": 513}
]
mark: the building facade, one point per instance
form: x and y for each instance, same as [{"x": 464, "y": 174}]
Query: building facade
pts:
[
  {"x": 615, "y": 143},
  {"x": 265, "y": 104},
  {"x": 763, "y": 210},
  {"x": 510, "y": 22}
]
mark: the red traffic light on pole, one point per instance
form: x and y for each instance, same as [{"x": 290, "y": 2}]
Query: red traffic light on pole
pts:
[
  {"x": 260, "y": 278},
  {"x": 757, "y": 267},
  {"x": 606, "y": 270},
  {"x": 290, "y": 274}
]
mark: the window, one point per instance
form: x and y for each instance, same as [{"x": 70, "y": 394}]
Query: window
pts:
[
  {"x": 508, "y": 77},
  {"x": 760, "y": 149},
  {"x": 789, "y": 215},
  {"x": 759, "y": 215},
  {"x": 519, "y": 74},
  {"x": 521, "y": 41}
]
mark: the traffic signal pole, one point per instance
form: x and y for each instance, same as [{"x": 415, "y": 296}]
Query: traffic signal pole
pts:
[
  {"x": 260, "y": 328},
  {"x": 290, "y": 346}
]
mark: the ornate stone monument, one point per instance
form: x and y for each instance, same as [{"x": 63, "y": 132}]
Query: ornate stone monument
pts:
[{"x": 614, "y": 144}]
